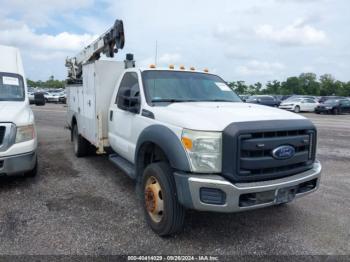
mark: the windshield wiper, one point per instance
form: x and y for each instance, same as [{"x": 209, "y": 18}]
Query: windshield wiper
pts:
[{"x": 171, "y": 100}]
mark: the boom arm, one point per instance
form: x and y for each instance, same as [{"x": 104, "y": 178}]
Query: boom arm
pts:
[{"x": 108, "y": 44}]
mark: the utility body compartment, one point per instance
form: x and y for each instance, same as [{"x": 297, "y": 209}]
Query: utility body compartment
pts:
[{"x": 89, "y": 102}]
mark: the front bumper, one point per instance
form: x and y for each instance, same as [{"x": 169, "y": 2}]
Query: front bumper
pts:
[
  {"x": 286, "y": 107},
  {"x": 237, "y": 195},
  {"x": 17, "y": 164}
]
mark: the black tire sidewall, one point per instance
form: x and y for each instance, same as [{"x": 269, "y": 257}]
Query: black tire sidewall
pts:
[{"x": 162, "y": 172}]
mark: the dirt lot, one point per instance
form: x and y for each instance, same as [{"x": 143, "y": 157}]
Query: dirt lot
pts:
[{"x": 87, "y": 206}]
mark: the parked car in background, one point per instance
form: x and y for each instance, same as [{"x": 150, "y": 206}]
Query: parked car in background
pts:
[
  {"x": 334, "y": 106},
  {"x": 244, "y": 97},
  {"x": 325, "y": 98},
  {"x": 31, "y": 97},
  {"x": 264, "y": 100},
  {"x": 299, "y": 105},
  {"x": 300, "y": 96}
]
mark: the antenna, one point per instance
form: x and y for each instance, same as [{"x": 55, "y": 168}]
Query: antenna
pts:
[{"x": 156, "y": 55}]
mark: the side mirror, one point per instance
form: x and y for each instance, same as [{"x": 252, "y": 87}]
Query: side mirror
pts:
[
  {"x": 39, "y": 99},
  {"x": 129, "y": 103}
]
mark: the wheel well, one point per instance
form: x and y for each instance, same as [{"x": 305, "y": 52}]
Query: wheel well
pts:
[{"x": 149, "y": 153}]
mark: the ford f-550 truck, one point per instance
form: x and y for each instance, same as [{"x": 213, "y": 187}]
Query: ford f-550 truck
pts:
[
  {"x": 186, "y": 138},
  {"x": 18, "y": 142}
]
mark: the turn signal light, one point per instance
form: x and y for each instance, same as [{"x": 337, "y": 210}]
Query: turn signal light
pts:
[{"x": 187, "y": 143}]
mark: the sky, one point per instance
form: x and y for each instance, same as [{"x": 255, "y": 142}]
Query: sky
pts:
[{"x": 250, "y": 40}]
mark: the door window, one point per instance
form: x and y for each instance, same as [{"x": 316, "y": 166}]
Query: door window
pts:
[
  {"x": 310, "y": 101},
  {"x": 130, "y": 86}
]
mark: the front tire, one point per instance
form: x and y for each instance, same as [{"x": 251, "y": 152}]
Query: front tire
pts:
[
  {"x": 81, "y": 146},
  {"x": 297, "y": 109},
  {"x": 163, "y": 212}
]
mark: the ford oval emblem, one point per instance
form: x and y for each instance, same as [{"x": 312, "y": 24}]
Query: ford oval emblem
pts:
[{"x": 283, "y": 152}]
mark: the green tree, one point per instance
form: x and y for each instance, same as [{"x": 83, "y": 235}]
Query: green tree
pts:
[
  {"x": 273, "y": 87},
  {"x": 291, "y": 86},
  {"x": 239, "y": 87},
  {"x": 308, "y": 84}
]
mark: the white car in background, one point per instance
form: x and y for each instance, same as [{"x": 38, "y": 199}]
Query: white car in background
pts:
[{"x": 299, "y": 105}]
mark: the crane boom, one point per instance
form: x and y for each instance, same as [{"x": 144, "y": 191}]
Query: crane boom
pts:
[{"x": 108, "y": 44}]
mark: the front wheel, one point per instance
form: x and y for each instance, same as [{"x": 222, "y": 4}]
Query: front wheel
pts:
[
  {"x": 163, "y": 212},
  {"x": 297, "y": 109}
]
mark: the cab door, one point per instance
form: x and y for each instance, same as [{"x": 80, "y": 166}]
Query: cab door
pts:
[{"x": 123, "y": 112}]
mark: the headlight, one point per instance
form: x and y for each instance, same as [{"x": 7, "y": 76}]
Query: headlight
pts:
[
  {"x": 328, "y": 107},
  {"x": 25, "y": 133},
  {"x": 203, "y": 150}
]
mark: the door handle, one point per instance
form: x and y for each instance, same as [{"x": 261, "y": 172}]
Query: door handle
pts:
[{"x": 111, "y": 115}]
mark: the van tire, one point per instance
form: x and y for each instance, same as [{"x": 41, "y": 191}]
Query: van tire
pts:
[
  {"x": 80, "y": 145},
  {"x": 173, "y": 214}
]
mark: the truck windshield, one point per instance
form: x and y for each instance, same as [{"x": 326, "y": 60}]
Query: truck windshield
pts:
[
  {"x": 11, "y": 87},
  {"x": 175, "y": 86}
]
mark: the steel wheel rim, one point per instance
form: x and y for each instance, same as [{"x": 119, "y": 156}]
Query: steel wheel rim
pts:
[{"x": 154, "y": 199}]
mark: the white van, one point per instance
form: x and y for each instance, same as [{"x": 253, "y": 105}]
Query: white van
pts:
[{"x": 18, "y": 140}]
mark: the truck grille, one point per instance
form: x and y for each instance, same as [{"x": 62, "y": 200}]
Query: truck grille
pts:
[
  {"x": 248, "y": 146},
  {"x": 256, "y": 160},
  {"x": 2, "y": 134}
]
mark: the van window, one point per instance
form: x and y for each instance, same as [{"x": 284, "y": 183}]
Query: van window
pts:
[{"x": 11, "y": 87}]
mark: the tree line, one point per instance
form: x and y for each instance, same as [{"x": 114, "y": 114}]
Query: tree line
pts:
[
  {"x": 304, "y": 84},
  {"x": 50, "y": 83}
]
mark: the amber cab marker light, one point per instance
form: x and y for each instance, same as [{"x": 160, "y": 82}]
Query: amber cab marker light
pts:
[
  {"x": 192, "y": 68},
  {"x": 152, "y": 66},
  {"x": 206, "y": 70},
  {"x": 182, "y": 67},
  {"x": 171, "y": 66}
]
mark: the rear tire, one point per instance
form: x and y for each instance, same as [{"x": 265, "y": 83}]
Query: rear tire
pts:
[
  {"x": 163, "y": 212},
  {"x": 81, "y": 146},
  {"x": 297, "y": 109}
]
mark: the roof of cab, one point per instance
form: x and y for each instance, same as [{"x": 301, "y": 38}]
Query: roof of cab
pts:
[{"x": 10, "y": 60}]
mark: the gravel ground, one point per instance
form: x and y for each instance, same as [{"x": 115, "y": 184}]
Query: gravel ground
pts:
[{"x": 87, "y": 206}]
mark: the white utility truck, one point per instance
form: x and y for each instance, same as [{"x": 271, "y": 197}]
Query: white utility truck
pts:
[
  {"x": 185, "y": 137},
  {"x": 18, "y": 142}
]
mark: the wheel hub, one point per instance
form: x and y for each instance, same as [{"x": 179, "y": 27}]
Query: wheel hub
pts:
[
  {"x": 154, "y": 199},
  {"x": 150, "y": 200}
]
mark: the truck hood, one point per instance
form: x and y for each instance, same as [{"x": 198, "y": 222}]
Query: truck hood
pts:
[
  {"x": 18, "y": 113},
  {"x": 216, "y": 116}
]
